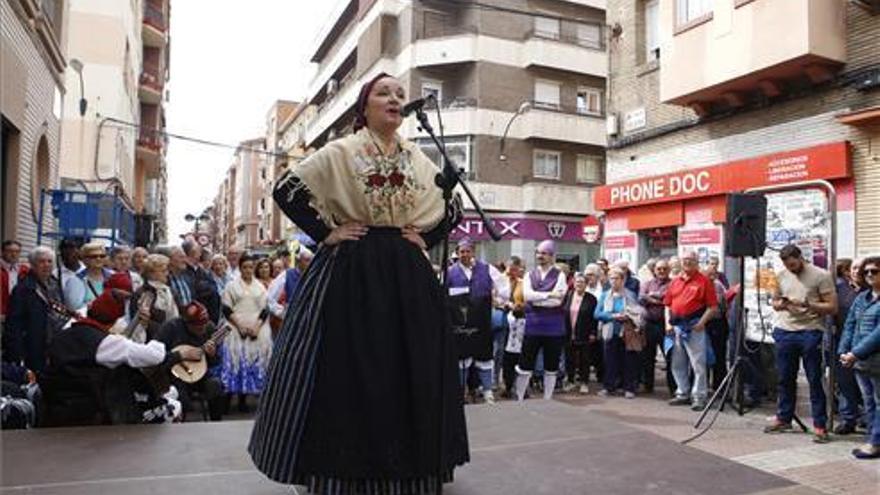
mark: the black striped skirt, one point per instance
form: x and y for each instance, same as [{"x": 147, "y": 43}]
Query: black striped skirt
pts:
[{"x": 362, "y": 394}]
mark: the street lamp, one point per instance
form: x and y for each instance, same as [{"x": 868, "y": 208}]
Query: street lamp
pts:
[
  {"x": 196, "y": 218},
  {"x": 523, "y": 108},
  {"x": 76, "y": 65}
]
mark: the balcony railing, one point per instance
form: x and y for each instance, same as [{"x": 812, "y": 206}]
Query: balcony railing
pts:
[
  {"x": 150, "y": 139},
  {"x": 154, "y": 16},
  {"x": 444, "y": 29},
  {"x": 566, "y": 109},
  {"x": 565, "y": 36},
  {"x": 52, "y": 13},
  {"x": 151, "y": 77}
]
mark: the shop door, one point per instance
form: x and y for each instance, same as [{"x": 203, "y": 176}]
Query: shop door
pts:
[{"x": 657, "y": 243}]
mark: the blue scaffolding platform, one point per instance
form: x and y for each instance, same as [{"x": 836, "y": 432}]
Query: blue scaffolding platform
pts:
[{"x": 87, "y": 215}]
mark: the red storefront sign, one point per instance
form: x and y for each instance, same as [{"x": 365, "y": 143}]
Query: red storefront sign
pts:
[
  {"x": 624, "y": 241},
  {"x": 711, "y": 235},
  {"x": 827, "y": 161},
  {"x": 591, "y": 229}
]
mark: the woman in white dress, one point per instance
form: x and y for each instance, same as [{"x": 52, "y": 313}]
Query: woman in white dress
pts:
[{"x": 247, "y": 350}]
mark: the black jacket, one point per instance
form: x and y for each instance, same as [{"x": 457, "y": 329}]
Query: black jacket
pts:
[
  {"x": 204, "y": 290},
  {"x": 586, "y": 323},
  {"x": 30, "y": 326}
]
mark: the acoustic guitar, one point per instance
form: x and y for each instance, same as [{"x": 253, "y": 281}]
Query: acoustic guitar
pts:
[{"x": 192, "y": 371}]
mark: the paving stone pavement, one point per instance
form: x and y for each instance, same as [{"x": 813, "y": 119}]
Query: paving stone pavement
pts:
[{"x": 828, "y": 468}]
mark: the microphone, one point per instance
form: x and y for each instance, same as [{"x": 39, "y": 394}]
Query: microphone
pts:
[{"x": 415, "y": 105}]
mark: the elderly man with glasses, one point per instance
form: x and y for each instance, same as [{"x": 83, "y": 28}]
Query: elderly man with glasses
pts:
[
  {"x": 651, "y": 298},
  {"x": 31, "y": 324},
  {"x": 691, "y": 301}
]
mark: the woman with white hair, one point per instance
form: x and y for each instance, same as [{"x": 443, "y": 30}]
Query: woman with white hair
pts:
[
  {"x": 162, "y": 308},
  {"x": 220, "y": 271},
  {"x": 620, "y": 317},
  {"x": 594, "y": 274}
]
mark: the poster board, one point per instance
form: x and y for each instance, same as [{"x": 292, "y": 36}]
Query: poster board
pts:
[
  {"x": 799, "y": 217},
  {"x": 706, "y": 240},
  {"x": 621, "y": 246}
]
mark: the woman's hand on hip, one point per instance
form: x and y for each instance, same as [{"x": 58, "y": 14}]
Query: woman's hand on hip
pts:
[
  {"x": 346, "y": 232},
  {"x": 414, "y": 236}
]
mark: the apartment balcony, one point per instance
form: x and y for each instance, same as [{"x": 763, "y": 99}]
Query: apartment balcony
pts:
[
  {"x": 748, "y": 48},
  {"x": 462, "y": 117},
  {"x": 557, "y": 125},
  {"x": 155, "y": 25},
  {"x": 149, "y": 151},
  {"x": 151, "y": 84},
  {"x": 596, "y": 4},
  {"x": 572, "y": 53},
  {"x": 533, "y": 197}
]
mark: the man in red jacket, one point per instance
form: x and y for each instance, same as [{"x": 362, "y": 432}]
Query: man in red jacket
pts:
[{"x": 11, "y": 272}]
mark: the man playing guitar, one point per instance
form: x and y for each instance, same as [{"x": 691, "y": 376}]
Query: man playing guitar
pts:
[
  {"x": 194, "y": 330},
  {"x": 94, "y": 377}
]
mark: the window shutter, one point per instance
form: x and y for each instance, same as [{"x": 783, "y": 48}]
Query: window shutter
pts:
[
  {"x": 546, "y": 27},
  {"x": 547, "y": 93},
  {"x": 589, "y": 35}
]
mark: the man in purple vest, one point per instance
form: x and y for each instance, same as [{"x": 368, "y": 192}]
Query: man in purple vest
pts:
[
  {"x": 472, "y": 286},
  {"x": 544, "y": 289}
]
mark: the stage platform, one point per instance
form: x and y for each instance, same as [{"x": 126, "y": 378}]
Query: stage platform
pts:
[{"x": 533, "y": 448}]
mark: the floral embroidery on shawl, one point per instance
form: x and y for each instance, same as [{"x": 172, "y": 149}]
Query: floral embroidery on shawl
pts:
[{"x": 389, "y": 182}]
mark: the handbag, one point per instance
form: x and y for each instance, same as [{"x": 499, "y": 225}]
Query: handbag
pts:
[{"x": 633, "y": 338}]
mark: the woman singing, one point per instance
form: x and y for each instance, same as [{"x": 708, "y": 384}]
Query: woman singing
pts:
[{"x": 362, "y": 394}]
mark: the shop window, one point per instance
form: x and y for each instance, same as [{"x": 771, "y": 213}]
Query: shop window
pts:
[
  {"x": 546, "y": 27},
  {"x": 459, "y": 150},
  {"x": 590, "y": 169},
  {"x": 659, "y": 242},
  {"x": 547, "y": 94},
  {"x": 547, "y": 164},
  {"x": 589, "y": 101},
  {"x": 40, "y": 175}
]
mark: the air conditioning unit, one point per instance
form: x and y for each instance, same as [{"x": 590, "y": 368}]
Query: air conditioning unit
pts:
[
  {"x": 332, "y": 87},
  {"x": 611, "y": 124}
]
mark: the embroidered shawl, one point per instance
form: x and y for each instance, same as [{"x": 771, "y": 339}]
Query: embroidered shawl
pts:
[{"x": 350, "y": 180}]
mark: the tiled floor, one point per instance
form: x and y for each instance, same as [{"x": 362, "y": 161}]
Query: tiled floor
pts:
[{"x": 828, "y": 468}]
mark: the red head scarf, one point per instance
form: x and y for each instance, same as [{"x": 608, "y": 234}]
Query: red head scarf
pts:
[
  {"x": 360, "y": 108},
  {"x": 110, "y": 305},
  {"x": 196, "y": 314}
]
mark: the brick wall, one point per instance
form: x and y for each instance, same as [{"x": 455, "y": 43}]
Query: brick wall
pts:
[
  {"x": 796, "y": 123},
  {"x": 35, "y": 119}
]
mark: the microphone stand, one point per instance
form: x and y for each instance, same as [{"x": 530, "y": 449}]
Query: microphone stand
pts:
[{"x": 446, "y": 180}]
